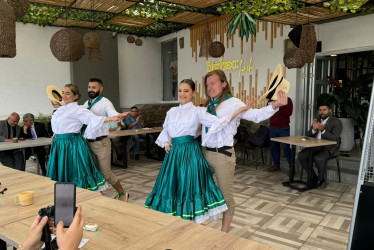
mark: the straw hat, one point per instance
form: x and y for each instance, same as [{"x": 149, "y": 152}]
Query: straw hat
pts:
[
  {"x": 55, "y": 94},
  {"x": 277, "y": 83}
]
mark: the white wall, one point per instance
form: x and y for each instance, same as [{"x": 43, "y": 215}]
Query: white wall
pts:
[
  {"x": 345, "y": 36},
  {"x": 140, "y": 76},
  {"x": 23, "y": 79}
]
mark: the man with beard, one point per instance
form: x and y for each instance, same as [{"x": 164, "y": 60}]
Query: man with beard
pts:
[
  {"x": 325, "y": 127},
  {"x": 101, "y": 146}
]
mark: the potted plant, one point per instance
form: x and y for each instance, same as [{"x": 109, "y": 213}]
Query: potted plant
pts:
[{"x": 351, "y": 104}]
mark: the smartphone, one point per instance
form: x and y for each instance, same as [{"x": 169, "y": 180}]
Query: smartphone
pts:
[{"x": 65, "y": 194}]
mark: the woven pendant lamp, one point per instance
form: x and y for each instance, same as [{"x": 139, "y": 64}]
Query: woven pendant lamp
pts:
[
  {"x": 7, "y": 30},
  {"x": 20, "y": 7},
  {"x": 92, "y": 41},
  {"x": 294, "y": 58},
  {"x": 216, "y": 49},
  {"x": 67, "y": 45},
  {"x": 308, "y": 42},
  {"x": 207, "y": 40}
]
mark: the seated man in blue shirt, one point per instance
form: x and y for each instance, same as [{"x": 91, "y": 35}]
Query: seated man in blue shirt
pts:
[{"x": 135, "y": 121}]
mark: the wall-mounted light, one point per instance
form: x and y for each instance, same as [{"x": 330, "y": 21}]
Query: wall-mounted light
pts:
[{"x": 334, "y": 55}]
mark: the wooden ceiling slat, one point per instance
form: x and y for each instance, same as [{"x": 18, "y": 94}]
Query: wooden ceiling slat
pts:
[
  {"x": 189, "y": 17},
  {"x": 53, "y": 2},
  {"x": 69, "y": 23},
  {"x": 304, "y": 16},
  {"x": 112, "y": 6},
  {"x": 197, "y": 3},
  {"x": 131, "y": 21},
  {"x": 312, "y": 1}
]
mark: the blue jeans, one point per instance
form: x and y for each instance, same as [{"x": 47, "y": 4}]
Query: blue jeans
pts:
[
  {"x": 280, "y": 132},
  {"x": 148, "y": 138}
]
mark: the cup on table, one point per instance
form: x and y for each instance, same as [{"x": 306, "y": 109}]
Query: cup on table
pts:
[
  {"x": 15, "y": 139},
  {"x": 25, "y": 198}
]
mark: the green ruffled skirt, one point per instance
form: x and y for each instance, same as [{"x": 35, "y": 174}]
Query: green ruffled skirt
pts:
[
  {"x": 70, "y": 160},
  {"x": 185, "y": 187}
]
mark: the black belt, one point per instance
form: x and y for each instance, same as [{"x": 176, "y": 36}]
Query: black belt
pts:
[
  {"x": 221, "y": 150},
  {"x": 97, "y": 138}
]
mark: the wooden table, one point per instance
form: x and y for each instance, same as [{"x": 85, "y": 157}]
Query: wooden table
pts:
[
  {"x": 40, "y": 141},
  {"x": 306, "y": 142},
  {"x": 121, "y": 225},
  {"x": 126, "y": 135}
]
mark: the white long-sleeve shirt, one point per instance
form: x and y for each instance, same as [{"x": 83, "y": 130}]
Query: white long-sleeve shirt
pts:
[
  {"x": 71, "y": 117},
  {"x": 105, "y": 108},
  {"x": 225, "y": 137},
  {"x": 186, "y": 120}
]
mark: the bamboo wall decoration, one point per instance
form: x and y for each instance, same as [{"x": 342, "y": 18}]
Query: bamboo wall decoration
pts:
[{"x": 217, "y": 29}]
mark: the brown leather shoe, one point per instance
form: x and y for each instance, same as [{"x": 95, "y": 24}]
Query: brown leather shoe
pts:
[{"x": 274, "y": 168}]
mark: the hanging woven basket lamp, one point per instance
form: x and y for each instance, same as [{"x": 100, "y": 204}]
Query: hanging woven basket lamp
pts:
[
  {"x": 92, "y": 41},
  {"x": 294, "y": 58},
  {"x": 308, "y": 42},
  {"x": 7, "y": 30},
  {"x": 67, "y": 45},
  {"x": 205, "y": 43},
  {"x": 130, "y": 39},
  {"x": 138, "y": 42},
  {"x": 216, "y": 49},
  {"x": 20, "y": 7}
]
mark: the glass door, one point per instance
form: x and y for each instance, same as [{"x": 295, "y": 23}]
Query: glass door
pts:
[{"x": 170, "y": 70}]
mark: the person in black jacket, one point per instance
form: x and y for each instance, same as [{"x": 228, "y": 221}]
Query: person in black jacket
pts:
[
  {"x": 34, "y": 130},
  {"x": 325, "y": 127}
]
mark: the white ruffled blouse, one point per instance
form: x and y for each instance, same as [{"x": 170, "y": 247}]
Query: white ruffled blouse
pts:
[
  {"x": 71, "y": 117},
  {"x": 186, "y": 120},
  {"x": 225, "y": 136}
]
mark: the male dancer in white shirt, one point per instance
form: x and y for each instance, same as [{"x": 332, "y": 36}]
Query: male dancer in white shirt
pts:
[{"x": 101, "y": 146}]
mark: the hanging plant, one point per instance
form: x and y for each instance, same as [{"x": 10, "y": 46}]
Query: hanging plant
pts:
[{"x": 246, "y": 22}]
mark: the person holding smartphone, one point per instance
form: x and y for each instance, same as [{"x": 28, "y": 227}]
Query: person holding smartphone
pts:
[{"x": 69, "y": 239}]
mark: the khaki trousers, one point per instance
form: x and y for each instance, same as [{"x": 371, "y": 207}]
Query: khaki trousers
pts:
[
  {"x": 101, "y": 153},
  {"x": 224, "y": 168}
]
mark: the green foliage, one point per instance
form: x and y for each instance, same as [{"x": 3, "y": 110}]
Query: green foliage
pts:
[
  {"x": 246, "y": 22},
  {"x": 42, "y": 14},
  {"x": 45, "y": 119}
]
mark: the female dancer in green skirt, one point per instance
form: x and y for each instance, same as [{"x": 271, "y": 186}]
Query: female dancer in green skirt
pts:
[
  {"x": 70, "y": 159},
  {"x": 184, "y": 186}
]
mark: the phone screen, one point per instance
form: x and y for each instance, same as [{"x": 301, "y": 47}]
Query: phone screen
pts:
[{"x": 64, "y": 203}]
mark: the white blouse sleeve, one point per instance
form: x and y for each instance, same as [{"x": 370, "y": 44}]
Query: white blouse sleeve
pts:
[
  {"x": 211, "y": 121},
  {"x": 164, "y": 138},
  {"x": 94, "y": 123},
  {"x": 259, "y": 115}
]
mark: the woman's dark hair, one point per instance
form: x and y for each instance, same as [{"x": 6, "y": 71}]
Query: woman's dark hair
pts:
[
  {"x": 222, "y": 77},
  {"x": 189, "y": 82},
  {"x": 74, "y": 89}
]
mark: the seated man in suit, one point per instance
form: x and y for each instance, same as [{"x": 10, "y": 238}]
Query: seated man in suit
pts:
[
  {"x": 33, "y": 130},
  {"x": 326, "y": 127},
  {"x": 9, "y": 129},
  {"x": 135, "y": 121}
]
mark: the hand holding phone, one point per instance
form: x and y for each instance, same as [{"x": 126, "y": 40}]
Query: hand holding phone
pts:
[{"x": 65, "y": 197}]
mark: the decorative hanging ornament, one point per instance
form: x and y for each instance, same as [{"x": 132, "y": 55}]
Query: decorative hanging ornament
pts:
[
  {"x": 130, "y": 39},
  {"x": 67, "y": 45},
  {"x": 92, "y": 41},
  {"x": 138, "y": 42},
  {"x": 216, "y": 49},
  {"x": 20, "y": 7},
  {"x": 294, "y": 58},
  {"x": 7, "y": 30}
]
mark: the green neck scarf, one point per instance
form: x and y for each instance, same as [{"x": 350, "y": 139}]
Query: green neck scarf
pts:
[
  {"x": 90, "y": 105},
  {"x": 212, "y": 105}
]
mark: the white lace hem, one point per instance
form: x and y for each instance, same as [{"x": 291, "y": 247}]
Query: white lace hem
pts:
[{"x": 213, "y": 214}]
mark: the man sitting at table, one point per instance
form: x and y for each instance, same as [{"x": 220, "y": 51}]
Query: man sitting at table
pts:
[
  {"x": 135, "y": 121},
  {"x": 325, "y": 127},
  {"x": 33, "y": 130},
  {"x": 9, "y": 129}
]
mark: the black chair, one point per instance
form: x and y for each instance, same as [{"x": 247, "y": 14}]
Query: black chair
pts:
[
  {"x": 248, "y": 144},
  {"x": 334, "y": 157}
]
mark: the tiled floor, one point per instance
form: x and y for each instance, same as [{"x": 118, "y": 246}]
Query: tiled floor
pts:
[{"x": 266, "y": 211}]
